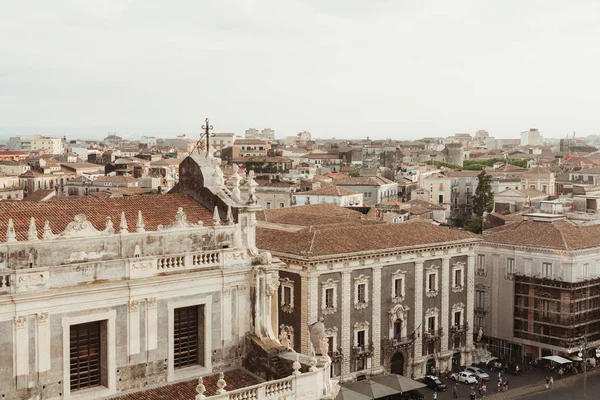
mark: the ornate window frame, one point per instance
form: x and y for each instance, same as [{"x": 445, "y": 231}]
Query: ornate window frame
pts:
[
  {"x": 432, "y": 312},
  {"x": 332, "y": 333},
  {"x": 289, "y": 284},
  {"x": 358, "y": 327},
  {"x": 458, "y": 287},
  {"x": 361, "y": 280},
  {"x": 432, "y": 270},
  {"x": 398, "y": 312},
  {"x": 329, "y": 284},
  {"x": 399, "y": 274},
  {"x": 458, "y": 308}
]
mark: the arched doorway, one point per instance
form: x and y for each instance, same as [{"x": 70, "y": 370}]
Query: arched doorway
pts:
[
  {"x": 456, "y": 361},
  {"x": 397, "y": 364},
  {"x": 430, "y": 367}
]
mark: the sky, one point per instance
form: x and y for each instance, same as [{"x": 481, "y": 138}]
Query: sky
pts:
[{"x": 400, "y": 69}]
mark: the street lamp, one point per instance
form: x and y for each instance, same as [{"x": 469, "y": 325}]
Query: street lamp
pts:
[{"x": 583, "y": 354}]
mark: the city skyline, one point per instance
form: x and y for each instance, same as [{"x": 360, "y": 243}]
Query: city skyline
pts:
[{"x": 338, "y": 69}]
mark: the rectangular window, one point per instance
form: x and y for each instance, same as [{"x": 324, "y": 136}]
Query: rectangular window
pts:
[
  {"x": 360, "y": 339},
  {"x": 85, "y": 354},
  {"x": 458, "y": 278},
  {"x": 510, "y": 266},
  {"x": 431, "y": 278},
  {"x": 431, "y": 324},
  {"x": 458, "y": 318},
  {"x": 481, "y": 261},
  {"x": 361, "y": 293},
  {"x": 546, "y": 270},
  {"x": 185, "y": 340},
  {"x": 281, "y": 205},
  {"x": 329, "y": 298},
  {"x": 479, "y": 299},
  {"x": 586, "y": 271},
  {"x": 545, "y": 308},
  {"x": 398, "y": 292},
  {"x": 268, "y": 205},
  {"x": 287, "y": 296},
  {"x": 479, "y": 322}
]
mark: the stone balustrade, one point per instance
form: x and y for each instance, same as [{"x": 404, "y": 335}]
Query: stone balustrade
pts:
[{"x": 6, "y": 280}]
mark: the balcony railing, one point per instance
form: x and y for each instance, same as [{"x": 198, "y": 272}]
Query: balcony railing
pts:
[
  {"x": 433, "y": 334},
  {"x": 459, "y": 329}
]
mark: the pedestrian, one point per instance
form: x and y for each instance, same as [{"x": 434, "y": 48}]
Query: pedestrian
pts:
[
  {"x": 434, "y": 395},
  {"x": 472, "y": 395},
  {"x": 499, "y": 384},
  {"x": 551, "y": 381},
  {"x": 454, "y": 393},
  {"x": 547, "y": 382},
  {"x": 484, "y": 390}
]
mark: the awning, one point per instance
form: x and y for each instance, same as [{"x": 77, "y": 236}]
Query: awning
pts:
[
  {"x": 575, "y": 357},
  {"x": 399, "y": 382},
  {"x": 371, "y": 388},
  {"x": 557, "y": 359},
  {"x": 348, "y": 394}
]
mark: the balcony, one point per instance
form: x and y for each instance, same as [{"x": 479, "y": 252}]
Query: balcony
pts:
[
  {"x": 336, "y": 356},
  {"x": 458, "y": 330},
  {"x": 433, "y": 334},
  {"x": 362, "y": 351},
  {"x": 391, "y": 346}
]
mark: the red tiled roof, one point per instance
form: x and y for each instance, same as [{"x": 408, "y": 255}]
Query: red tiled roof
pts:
[
  {"x": 330, "y": 240},
  {"x": 156, "y": 210},
  {"x": 236, "y": 379},
  {"x": 322, "y": 209},
  {"x": 336, "y": 191}
]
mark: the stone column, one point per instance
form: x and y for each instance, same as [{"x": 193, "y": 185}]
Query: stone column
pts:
[
  {"x": 134, "y": 328},
  {"x": 346, "y": 330},
  {"x": 151, "y": 328},
  {"x": 470, "y": 308},
  {"x": 43, "y": 342},
  {"x": 376, "y": 320},
  {"x": 304, "y": 314},
  {"x": 445, "y": 292},
  {"x": 418, "y": 314},
  {"x": 22, "y": 351}
]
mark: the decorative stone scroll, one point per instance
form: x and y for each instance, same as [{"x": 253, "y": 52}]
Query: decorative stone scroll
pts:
[{"x": 179, "y": 222}]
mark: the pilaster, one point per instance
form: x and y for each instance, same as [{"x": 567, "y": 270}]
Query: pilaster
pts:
[
  {"x": 346, "y": 329},
  {"x": 43, "y": 342},
  {"x": 376, "y": 321},
  {"x": 470, "y": 309},
  {"x": 445, "y": 292},
  {"x": 22, "y": 351},
  {"x": 226, "y": 312},
  {"x": 151, "y": 328},
  {"x": 134, "y": 327},
  {"x": 304, "y": 315},
  {"x": 418, "y": 315},
  {"x": 495, "y": 292}
]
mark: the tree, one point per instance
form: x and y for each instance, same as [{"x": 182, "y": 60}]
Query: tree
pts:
[
  {"x": 474, "y": 224},
  {"x": 483, "y": 201}
]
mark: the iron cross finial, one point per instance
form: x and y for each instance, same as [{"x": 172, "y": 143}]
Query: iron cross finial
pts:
[{"x": 207, "y": 127}]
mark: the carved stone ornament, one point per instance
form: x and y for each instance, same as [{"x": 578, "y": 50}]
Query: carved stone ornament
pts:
[
  {"x": 361, "y": 325},
  {"x": 134, "y": 305},
  {"x": 398, "y": 312},
  {"x": 21, "y": 321},
  {"x": 432, "y": 312},
  {"x": 151, "y": 302},
  {"x": 458, "y": 307},
  {"x": 42, "y": 318},
  {"x": 179, "y": 222}
]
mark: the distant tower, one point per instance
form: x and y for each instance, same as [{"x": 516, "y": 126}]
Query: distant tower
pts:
[{"x": 454, "y": 153}]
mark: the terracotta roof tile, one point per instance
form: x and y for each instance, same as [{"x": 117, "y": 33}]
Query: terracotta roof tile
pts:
[
  {"x": 330, "y": 190},
  {"x": 156, "y": 210},
  {"x": 236, "y": 379},
  {"x": 317, "y": 241},
  {"x": 322, "y": 209}
]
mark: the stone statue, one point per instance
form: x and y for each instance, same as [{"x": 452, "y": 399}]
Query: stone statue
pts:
[
  {"x": 284, "y": 340},
  {"x": 317, "y": 335},
  {"x": 324, "y": 346},
  {"x": 251, "y": 187},
  {"x": 480, "y": 334}
]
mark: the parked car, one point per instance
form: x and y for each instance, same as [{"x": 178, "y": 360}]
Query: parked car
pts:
[
  {"x": 434, "y": 383},
  {"x": 464, "y": 377},
  {"x": 478, "y": 372}
]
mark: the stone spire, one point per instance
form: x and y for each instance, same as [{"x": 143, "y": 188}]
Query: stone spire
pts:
[
  {"x": 139, "y": 227},
  {"x": 216, "y": 217},
  {"x": 11, "y": 236},
  {"x": 229, "y": 216},
  {"x": 123, "y": 225},
  {"x": 221, "y": 384},
  {"x": 48, "y": 231},
  {"x": 32, "y": 234},
  {"x": 200, "y": 389}
]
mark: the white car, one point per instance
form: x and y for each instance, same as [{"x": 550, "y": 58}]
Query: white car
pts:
[
  {"x": 464, "y": 377},
  {"x": 478, "y": 372}
]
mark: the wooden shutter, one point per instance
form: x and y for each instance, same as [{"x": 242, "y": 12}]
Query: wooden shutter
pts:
[
  {"x": 186, "y": 337},
  {"x": 85, "y": 355}
]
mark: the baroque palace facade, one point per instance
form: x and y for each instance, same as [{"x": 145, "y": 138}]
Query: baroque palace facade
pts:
[
  {"x": 103, "y": 296},
  {"x": 393, "y": 297}
]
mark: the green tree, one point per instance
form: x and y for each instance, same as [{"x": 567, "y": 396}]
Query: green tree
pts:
[
  {"x": 354, "y": 174},
  {"x": 484, "y": 197},
  {"x": 474, "y": 224}
]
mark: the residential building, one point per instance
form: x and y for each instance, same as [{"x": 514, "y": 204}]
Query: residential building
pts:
[
  {"x": 13, "y": 168},
  {"x": 266, "y": 134},
  {"x": 392, "y": 297},
  {"x": 536, "y": 287},
  {"x": 331, "y": 194},
  {"x": 220, "y": 141},
  {"x": 439, "y": 186},
  {"x": 464, "y": 184},
  {"x": 375, "y": 190},
  {"x": 104, "y": 296},
  {"x": 36, "y": 143},
  {"x": 531, "y": 137}
]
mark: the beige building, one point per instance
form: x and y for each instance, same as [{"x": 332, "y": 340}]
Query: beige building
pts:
[{"x": 331, "y": 194}]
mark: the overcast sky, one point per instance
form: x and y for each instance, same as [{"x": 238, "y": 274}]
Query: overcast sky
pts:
[{"x": 338, "y": 68}]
